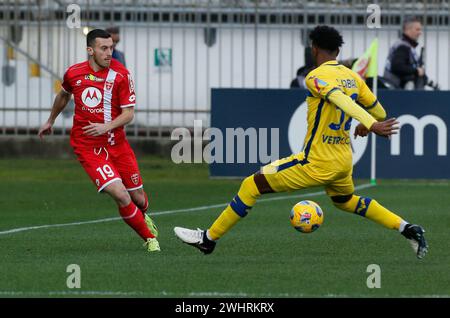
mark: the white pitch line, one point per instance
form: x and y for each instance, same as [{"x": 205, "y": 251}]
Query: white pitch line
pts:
[
  {"x": 419, "y": 184},
  {"x": 194, "y": 294},
  {"x": 199, "y": 208},
  {"x": 70, "y": 293},
  {"x": 22, "y": 229}
]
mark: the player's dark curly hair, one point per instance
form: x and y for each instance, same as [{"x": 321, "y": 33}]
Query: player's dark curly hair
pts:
[{"x": 326, "y": 38}]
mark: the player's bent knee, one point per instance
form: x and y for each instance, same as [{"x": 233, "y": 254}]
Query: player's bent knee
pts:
[
  {"x": 262, "y": 184},
  {"x": 353, "y": 203},
  {"x": 341, "y": 198},
  {"x": 249, "y": 187},
  {"x": 246, "y": 197},
  {"x": 119, "y": 193},
  {"x": 123, "y": 199},
  {"x": 138, "y": 196},
  {"x": 344, "y": 202}
]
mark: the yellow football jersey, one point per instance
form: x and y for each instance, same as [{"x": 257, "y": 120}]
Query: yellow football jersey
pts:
[{"x": 327, "y": 143}]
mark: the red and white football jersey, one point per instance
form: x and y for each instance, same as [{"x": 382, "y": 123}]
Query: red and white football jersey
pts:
[{"x": 99, "y": 98}]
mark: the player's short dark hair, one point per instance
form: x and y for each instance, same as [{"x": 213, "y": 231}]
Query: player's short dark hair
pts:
[
  {"x": 326, "y": 38},
  {"x": 408, "y": 20},
  {"x": 96, "y": 33},
  {"x": 113, "y": 30}
]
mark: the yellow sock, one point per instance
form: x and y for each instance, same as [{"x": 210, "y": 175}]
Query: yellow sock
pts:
[
  {"x": 378, "y": 213},
  {"x": 236, "y": 210},
  {"x": 372, "y": 210},
  {"x": 223, "y": 223}
]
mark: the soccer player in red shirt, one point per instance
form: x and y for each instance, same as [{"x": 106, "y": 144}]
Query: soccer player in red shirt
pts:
[{"x": 104, "y": 102}]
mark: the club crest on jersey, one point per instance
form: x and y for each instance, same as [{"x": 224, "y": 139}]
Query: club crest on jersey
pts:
[
  {"x": 93, "y": 78},
  {"x": 135, "y": 178},
  {"x": 319, "y": 84},
  {"x": 109, "y": 85},
  {"x": 91, "y": 97}
]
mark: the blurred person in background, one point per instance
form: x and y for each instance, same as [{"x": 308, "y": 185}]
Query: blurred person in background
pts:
[
  {"x": 299, "y": 80},
  {"x": 404, "y": 67},
  {"x": 115, "y": 35}
]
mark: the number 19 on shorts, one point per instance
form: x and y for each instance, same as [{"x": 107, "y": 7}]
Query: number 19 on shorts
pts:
[{"x": 106, "y": 172}]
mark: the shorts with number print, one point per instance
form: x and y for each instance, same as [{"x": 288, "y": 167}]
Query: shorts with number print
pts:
[{"x": 108, "y": 164}]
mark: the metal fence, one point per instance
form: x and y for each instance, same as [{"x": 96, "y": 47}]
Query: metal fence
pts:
[{"x": 178, "y": 50}]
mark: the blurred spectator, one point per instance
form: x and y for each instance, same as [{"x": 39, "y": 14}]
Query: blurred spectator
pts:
[
  {"x": 404, "y": 67},
  {"x": 299, "y": 81},
  {"x": 115, "y": 34}
]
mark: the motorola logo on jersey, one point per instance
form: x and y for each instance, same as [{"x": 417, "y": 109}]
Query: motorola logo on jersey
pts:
[
  {"x": 297, "y": 131},
  {"x": 92, "y": 110},
  {"x": 91, "y": 97}
]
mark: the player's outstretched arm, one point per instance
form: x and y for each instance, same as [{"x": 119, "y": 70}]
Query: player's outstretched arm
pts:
[
  {"x": 383, "y": 128},
  {"x": 344, "y": 102},
  {"x": 377, "y": 111},
  {"x": 59, "y": 104},
  {"x": 369, "y": 101}
]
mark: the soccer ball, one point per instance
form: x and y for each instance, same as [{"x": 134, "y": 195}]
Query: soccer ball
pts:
[{"x": 306, "y": 216}]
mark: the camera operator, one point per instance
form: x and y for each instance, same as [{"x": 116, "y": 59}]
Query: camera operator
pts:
[{"x": 404, "y": 67}]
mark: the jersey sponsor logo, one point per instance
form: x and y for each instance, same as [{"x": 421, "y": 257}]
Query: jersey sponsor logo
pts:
[
  {"x": 92, "y": 110},
  {"x": 93, "y": 78},
  {"x": 135, "y": 178},
  {"x": 91, "y": 97},
  {"x": 335, "y": 140}
]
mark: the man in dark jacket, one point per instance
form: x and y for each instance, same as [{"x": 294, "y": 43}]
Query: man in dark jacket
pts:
[
  {"x": 115, "y": 35},
  {"x": 404, "y": 66}
]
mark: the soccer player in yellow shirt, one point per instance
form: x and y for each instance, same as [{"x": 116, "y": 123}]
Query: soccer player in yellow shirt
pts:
[{"x": 336, "y": 95}]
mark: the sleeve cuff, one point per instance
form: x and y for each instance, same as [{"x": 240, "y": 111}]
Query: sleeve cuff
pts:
[
  {"x": 373, "y": 105},
  {"x": 128, "y": 105}
]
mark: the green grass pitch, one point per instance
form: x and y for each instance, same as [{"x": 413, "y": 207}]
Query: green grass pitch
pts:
[{"x": 263, "y": 256}]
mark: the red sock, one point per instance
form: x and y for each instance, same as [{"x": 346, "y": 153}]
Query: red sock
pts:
[{"x": 134, "y": 218}]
